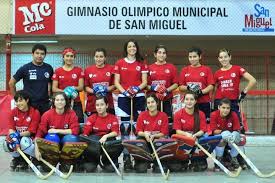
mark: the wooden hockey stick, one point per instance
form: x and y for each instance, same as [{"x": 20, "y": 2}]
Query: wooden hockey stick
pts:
[
  {"x": 57, "y": 171},
  {"x": 228, "y": 172},
  {"x": 165, "y": 176},
  {"x": 111, "y": 161},
  {"x": 249, "y": 162},
  {"x": 33, "y": 167},
  {"x": 161, "y": 106},
  {"x": 132, "y": 118}
]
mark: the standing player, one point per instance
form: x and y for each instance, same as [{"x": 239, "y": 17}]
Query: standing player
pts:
[
  {"x": 199, "y": 79},
  {"x": 226, "y": 122},
  {"x": 227, "y": 81},
  {"x": 70, "y": 77},
  {"x": 99, "y": 82},
  {"x": 151, "y": 124},
  {"x": 130, "y": 80},
  {"x": 23, "y": 123},
  {"x": 36, "y": 77},
  {"x": 162, "y": 79},
  {"x": 101, "y": 127},
  {"x": 191, "y": 122}
]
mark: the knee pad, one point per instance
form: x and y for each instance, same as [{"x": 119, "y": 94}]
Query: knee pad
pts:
[
  {"x": 53, "y": 137},
  {"x": 242, "y": 140},
  {"x": 69, "y": 138}
]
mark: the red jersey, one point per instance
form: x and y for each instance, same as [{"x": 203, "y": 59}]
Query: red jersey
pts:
[
  {"x": 228, "y": 82},
  {"x": 185, "y": 122},
  {"x": 231, "y": 123},
  {"x": 201, "y": 75},
  {"x": 51, "y": 119},
  {"x": 102, "y": 76},
  {"x": 98, "y": 125},
  {"x": 68, "y": 78},
  {"x": 165, "y": 74},
  {"x": 24, "y": 121},
  {"x": 158, "y": 123},
  {"x": 130, "y": 73}
]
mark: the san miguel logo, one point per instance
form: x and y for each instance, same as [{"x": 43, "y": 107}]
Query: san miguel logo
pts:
[
  {"x": 35, "y": 17},
  {"x": 259, "y": 21}
]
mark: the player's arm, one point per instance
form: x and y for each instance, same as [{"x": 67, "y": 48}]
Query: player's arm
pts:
[
  {"x": 55, "y": 87},
  {"x": 25, "y": 134},
  {"x": 207, "y": 89},
  {"x": 198, "y": 134},
  {"x": 106, "y": 136},
  {"x": 60, "y": 131},
  {"x": 80, "y": 85},
  {"x": 172, "y": 87},
  {"x": 143, "y": 81},
  {"x": 181, "y": 132},
  {"x": 251, "y": 81},
  {"x": 117, "y": 83},
  {"x": 12, "y": 86}
]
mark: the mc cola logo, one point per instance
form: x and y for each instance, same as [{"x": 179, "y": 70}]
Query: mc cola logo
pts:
[{"x": 36, "y": 17}]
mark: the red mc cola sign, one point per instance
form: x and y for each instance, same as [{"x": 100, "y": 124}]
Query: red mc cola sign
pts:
[{"x": 34, "y": 16}]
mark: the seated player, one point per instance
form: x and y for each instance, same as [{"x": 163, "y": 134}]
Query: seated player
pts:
[
  {"x": 23, "y": 123},
  {"x": 191, "y": 122},
  {"x": 59, "y": 127},
  {"x": 151, "y": 124},
  {"x": 226, "y": 122},
  {"x": 101, "y": 128}
]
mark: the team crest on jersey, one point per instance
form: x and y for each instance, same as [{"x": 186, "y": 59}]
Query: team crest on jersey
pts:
[
  {"x": 233, "y": 75},
  {"x": 15, "y": 118},
  {"x": 182, "y": 120},
  {"x": 109, "y": 126},
  {"x": 145, "y": 122},
  {"x": 66, "y": 126},
  {"x": 229, "y": 125},
  {"x": 186, "y": 75},
  {"x": 28, "y": 119},
  {"x": 167, "y": 71},
  {"x": 47, "y": 75},
  {"x": 74, "y": 76},
  {"x": 242, "y": 70},
  {"x": 92, "y": 75},
  {"x": 138, "y": 68},
  {"x": 202, "y": 74},
  {"x": 159, "y": 122},
  {"x": 54, "y": 75},
  {"x": 152, "y": 72},
  {"x": 108, "y": 74}
]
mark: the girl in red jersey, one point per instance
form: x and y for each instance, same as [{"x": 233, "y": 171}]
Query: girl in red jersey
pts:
[
  {"x": 23, "y": 123},
  {"x": 151, "y": 124},
  {"x": 162, "y": 79},
  {"x": 130, "y": 80},
  {"x": 191, "y": 122},
  {"x": 227, "y": 81},
  {"x": 101, "y": 127},
  {"x": 199, "y": 79},
  {"x": 226, "y": 122},
  {"x": 70, "y": 78},
  {"x": 60, "y": 120},
  {"x": 99, "y": 82}
]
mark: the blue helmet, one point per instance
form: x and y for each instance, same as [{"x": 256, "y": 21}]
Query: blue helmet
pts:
[
  {"x": 53, "y": 137},
  {"x": 70, "y": 138}
]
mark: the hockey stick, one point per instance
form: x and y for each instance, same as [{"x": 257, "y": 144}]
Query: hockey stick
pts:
[
  {"x": 159, "y": 163},
  {"x": 161, "y": 106},
  {"x": 229, "y": 173},
  {"x": 253, "y": 167},
  {"x": 132, "y": 118},
  {"x": 111, "y": 161},
  {"x": 57, "y": 171},
  {"x": 33, "y": 167}
]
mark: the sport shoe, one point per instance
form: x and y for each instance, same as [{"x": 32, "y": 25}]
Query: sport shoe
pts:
[{"x": 235, "y": 163}]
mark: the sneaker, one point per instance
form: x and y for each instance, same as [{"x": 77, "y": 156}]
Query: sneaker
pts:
[
  {"x": 14, "y": 163},
  {"x": 235, "y": 163},
  {"x": 242, "y": 162}
]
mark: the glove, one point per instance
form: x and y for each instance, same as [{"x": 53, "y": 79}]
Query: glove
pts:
[
  {"x": 235, "y": 137},
  {"x": 158, "y": 88},
  {"x": 126, "y": 94},
  {"x": 193, "y": 87},
  {"x": 199, "y": 93},
  {"x": 161, "y": 96},
  {"x": 70, "y": 92},
  {"x": 13, "y": 140},
  {"x": 100, "y": 90},
  {"x": 226, "y": 135},
  {"x": 133, "y": 90},
  {"x": 241, "y": 96}
]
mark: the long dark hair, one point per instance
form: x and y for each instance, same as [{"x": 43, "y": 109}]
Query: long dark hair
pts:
[
  {"x": 152, "y": 95},
  {"x": 196, "y": 113},
  {"x": 228, "y": 102},
  {"x": 137, "y": 55},
  {"x": 68, "y": 101}
]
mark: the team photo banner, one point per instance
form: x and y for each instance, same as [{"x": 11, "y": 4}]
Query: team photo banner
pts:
[{"x": 144, "y": 17}]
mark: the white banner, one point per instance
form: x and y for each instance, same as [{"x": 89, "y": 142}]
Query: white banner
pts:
[{"x": 152, "y": 17}]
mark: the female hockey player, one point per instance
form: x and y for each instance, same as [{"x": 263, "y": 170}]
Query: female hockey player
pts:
[
  {"x": 101, "y": 128},
  {"x": 130, "y": 80},
  {"x": 70, "y": 79},
  {"x": 99, "y": 82},
  {"x": 23, "y": 123}
]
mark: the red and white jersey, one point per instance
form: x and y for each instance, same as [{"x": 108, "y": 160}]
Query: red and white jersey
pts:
[
  {"x": 98, "y": 125},
  {"x": 228, "y": 82},
  {"x": 201, "y": 75},
  {"x": 155, "y": 124},
  {"x": 185, "y": 122},
  {"x": 230, "y": 123},
  {"x": 68, "y": 78},
  {"x": 165, "y": 74},
  {"x": 51, "y": 119},
  {"x": 102, "y": 76},
  {"x": 130, "y": 73},
  {"x": 24, "y": 121}
]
